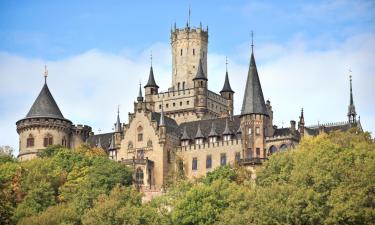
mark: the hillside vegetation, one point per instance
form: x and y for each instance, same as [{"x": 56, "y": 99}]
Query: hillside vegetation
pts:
[{"x": 328, "y": 179}]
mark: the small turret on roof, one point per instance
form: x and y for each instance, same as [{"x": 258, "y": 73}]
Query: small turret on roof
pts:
[
  {"x": 140, "y": 96},
  {"x": 151, "y": 79},
  {"x": 162, "y": 120},
  {"x": 200, "y": 74},
  {"x": 185, "y": 136},
  {"x": 199, "y": 133},
  {"x": 112, "y": 145},
  {"x": 118, "y": 127},
  {"x": 213, "y": 132},
  {"x": 227, "y": 130},
  {"x": 226, "y": 87}
]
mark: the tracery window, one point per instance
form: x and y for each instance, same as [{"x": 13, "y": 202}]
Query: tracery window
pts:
[
  {"x": 223, "y": 159},
  {"x": 139, "y": 176}
]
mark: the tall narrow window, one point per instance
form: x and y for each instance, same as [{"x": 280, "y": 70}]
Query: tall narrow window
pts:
[
  {"x": 183, "y": 85},
  {"x": 178, "y": 86},
  {"x": 139, "y": 176},
  {"x": 140, "y": 137},
  {"x": 209, "y": 162},
  {"x": 30, "y": 141},
  {"x": 193, "y": 51},
  {"x": 63, "y": 142},
  {"x": 237, "y": 157},
  {"x": 181, "y": 52},
  {"x": 223, "y": 159},
  {"x": 194, "y": 164},
  {"x": 48, "y": 140},
  {"x": 257, "y": 130},
  {"x": 258, "y": 152}
]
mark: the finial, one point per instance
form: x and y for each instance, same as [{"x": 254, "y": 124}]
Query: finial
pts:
[
  {"x": 118, "y": 109},
  {"x": 252, "y": 41},
  {"x": 226, "y": 63},
  {"x": 151, "y": 58},
  {"x": 45, "y": 73},
  {"x": 189, "y": 15}
]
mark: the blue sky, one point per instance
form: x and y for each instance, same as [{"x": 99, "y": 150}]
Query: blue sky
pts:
[{"x": 94, "y": 48}]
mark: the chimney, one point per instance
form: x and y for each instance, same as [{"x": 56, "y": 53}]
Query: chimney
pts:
[{"x": 292, "y": 126}]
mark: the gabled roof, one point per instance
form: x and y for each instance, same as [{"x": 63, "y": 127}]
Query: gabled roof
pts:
[
  {"x": 213, "y": 131},
  {"x": 45, "y": 106},
  {"x": 226, "y": 87},
  {"x": 185, "y": 136},
  {"x": 151, "y": 79},
  {"x": 104, "y": 139},
  {"x": 199, "y": 133},
  {"x": 227, "y": 131},
  {"x": 253, "y": 101},
  {"x": 171, "y": 125},
  {"x": 200, "y": 74}
]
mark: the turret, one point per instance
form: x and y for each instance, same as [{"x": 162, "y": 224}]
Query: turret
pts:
[
  {"x": 351, "y": 109},
  {"x": 200, "y": 90},
  {"x": 118, "y": 129},
  {"x": 227, "y": 93},
  {"x": 301, "y": 124},
  {"x": 199, "y": 137},
  {"x": 189, "y": 45},
  {"x": 269, "y": 121},
  {"x": 151, "y": 88},
  {"x": 253, "y": 114},
  {"x": 162, "y": 127}
]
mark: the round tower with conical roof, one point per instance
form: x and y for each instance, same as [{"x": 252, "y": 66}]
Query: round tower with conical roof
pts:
[{"x": 43, "y": 125}]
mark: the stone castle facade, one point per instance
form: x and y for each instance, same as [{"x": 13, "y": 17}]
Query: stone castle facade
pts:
[{"x": 189, "y": 128}]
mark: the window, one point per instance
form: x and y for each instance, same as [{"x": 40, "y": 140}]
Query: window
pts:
[
  {"x": 237, "y": 157},
  {"x": 223, "y": 159},
  {"x": 159, "y": 106},
  {"x": 178, "y": 86},
  {"x": 193, "y": 51},
  {"x": 30, "y": 141},
  {"x": 249, "y": 153},
  {"x": 140, "y": 154},
  {"x": 227, "y": 137},
  {"x": 181, "y": 52},
  {"x": 63, "y": 142},
  {"x": 257, "y": 130},
  {"x": 113, "y": 154},
  {"x": 140, "y": 137},
  {"x": 194, "y": 164},
  {"x": 185, "y": 143},
  {"x": 166, "y": 105},
  {"x": 48, "y": 140},
  {"x": 283, "y": 147},
  {"x": 199, "y": 141},
  {"x": 258, "y": 152},
  {"x": 250, "y": 130},
  {"x": 183, "y": 85},
  {"x": 187, "y": 102},
  {"x": 212, "y": 139},
  {"x": 209, "y": 162},
  {"x": 174, "y": 104},
  {"x": 180, "y": 103},
  {"x": 139, "y": 176}
]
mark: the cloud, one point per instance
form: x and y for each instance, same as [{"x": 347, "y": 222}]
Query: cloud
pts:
[{"x": 89, "y": 86}]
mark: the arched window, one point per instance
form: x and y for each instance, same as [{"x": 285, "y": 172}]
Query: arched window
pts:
[
  {"x": 139, "y": 176},
  {"x": 272, "y": 149},
  {"x": 48, "y": 140},
  {"x": 181, "y": 52},
  {"x": 283, "y": 147},
  {"x": 140, "y": 134},
  {"x": 63, "y": 142},
  {"x": 30, "y": 141},
  {"x": 193, "y": 51}
]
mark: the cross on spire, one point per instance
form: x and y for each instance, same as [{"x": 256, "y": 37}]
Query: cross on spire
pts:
[{"x": 45, "y": 73}]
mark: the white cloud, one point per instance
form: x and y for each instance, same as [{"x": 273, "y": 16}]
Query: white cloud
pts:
[{"x": 89, "y": 86}]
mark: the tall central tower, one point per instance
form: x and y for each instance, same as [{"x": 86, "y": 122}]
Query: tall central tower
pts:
[{"x": 189, "y": 45}]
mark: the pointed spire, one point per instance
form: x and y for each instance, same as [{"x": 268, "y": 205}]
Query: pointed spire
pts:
[
  {"x": 112, "y": 145},
  {"x": 200, "y": 74},
  {"x": 351, "y": 109},
  {"x": 226, "y": 87},
  {"x": 213, "y": 131},
  {"x": 185, "y": 136},
  {"x": 302, "y": 118},
  {"x": 253, "y": 102},
  {"x": 151, "y": 80},
  {"x": 140, "y": 96},
  {"x": 227, "y": 130},
  {"x": 118, "y": 127},
  {"x": 162, "y": 120},
  {"x": 199, "y": 132}
]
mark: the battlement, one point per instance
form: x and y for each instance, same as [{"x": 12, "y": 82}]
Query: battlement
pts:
[
  {"x": 171, "y": 94},
  {"x": 209, "y": 146},
  {"x": 189, "y": 30},
  {"x": 216, "y": 97},
  {"x": 80, "y": 127}
]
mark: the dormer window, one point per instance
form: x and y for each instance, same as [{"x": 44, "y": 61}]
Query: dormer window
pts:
[
  {"x": 227, "y": 137},
  {"x": 213, "y": 139},
  {"x": 185, "y": 143},
  {"x": 199, "y": 141}
]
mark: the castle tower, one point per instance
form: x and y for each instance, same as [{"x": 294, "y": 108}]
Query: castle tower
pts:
[
  {"x": 253, "y": 115},
  {"x": 351, "y": 109},
  {"x": 301, "y": 124},
  {"x": 228, "y": 93},
  {"x": 189, "y": 45},
  {"x": 118, "y": 130},
  {"x": 43, "y": 125},
  {"x": 151, "y": 88},
  {"x": 200, "y": 90}
]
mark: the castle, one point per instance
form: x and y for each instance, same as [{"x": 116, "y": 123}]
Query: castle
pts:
[{"x": 189, "y": 128}]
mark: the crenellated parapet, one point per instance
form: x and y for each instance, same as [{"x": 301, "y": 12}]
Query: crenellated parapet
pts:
[{"x": 28, "y": 124}]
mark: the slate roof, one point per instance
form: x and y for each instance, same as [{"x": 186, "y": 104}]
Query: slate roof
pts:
[
  {"x": 253, "y": 101},
  {"x": 200, "y": 74},
  {"x": 171, "y": 125},
  {"x": 151, "y": 79},
  {"x": 205, "y": 126},
  {"x": 341, "y": 126},
  {"x": 226, "y": 87},
  {"x": 199, "y": 132},
  {"x": 45, "y": 106},
  {"x": 213, "y": 132},
  {"x": 105, "y": 140}
]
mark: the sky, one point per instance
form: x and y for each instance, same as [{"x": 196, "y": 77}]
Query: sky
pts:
[{"x": 98, "y": 51}]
